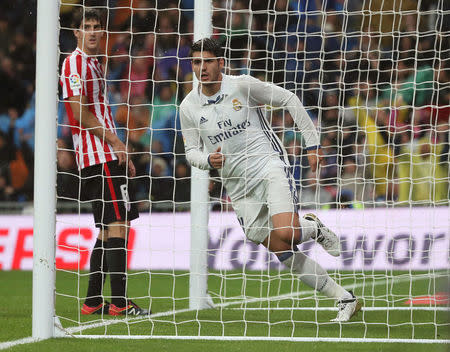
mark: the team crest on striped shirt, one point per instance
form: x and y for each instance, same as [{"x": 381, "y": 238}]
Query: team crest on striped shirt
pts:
[{"x": 237, "y": 105}]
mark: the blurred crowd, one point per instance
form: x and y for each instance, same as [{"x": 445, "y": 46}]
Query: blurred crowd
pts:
[
  {"x": 17, "y": 67},
  {"x": 375, "y": 84}
]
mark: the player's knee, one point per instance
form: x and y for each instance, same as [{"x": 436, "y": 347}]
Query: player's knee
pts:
[
  {"x": 288, "y": 235},
  {"x": 102, "y": 235},
  {"x": 117, "y": 229}
]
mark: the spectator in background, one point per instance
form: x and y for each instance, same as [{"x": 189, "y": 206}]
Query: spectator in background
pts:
[
  {"x": 423, "y": 181},
  {"x": 329, "y": 170},
  {"x": 25, "y": 125},
  {"x": 296, "y": 159},
  {"x": 22, "y": 54},
  {"x": 164, "y": 104},
  {"x": 312, "y": 92},
  {"x": 136, "y": 78},
  {"x": 313, "y": 193},
  {"x": 134, "y": 119},
  {"x": 118, "y": 61},
  {"x": 354, "y": 184},
  {"x": 7, "y": 154},
  {"x": 143, "y": 21},
  {"x": 289, "y": 70},
  {"x": 166, "y": 34},
  {"x": 160, "y": 136},
  {"x": 175, "y": 63},
  {"x": 380, "y": 156},
  {"x": 134, "y": 122},
  {"x": 18, "y": 159},
  {"x": 330, "y": 112},
  {"x": 439, "y": 110},
  {"x": 7, "y": 192},
  {"x": 4, "y": 33},
  {"x": 67, "y": 183},
  {"x": 161, "y": 186},
  {"x": 413, "y": 87},
  {"x": 12, "y": 89},
  {"x": 182, "y": 182},
  {"x": 347, "y": 143},
  {"x": 241, "y": 66},
  {"x": 185, "y": 86}
]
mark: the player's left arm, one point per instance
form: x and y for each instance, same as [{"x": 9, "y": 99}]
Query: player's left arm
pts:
[{"x": 271, "y": 94}]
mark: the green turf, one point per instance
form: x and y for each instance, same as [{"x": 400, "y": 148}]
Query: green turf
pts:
[
  {"x": 170, "y": 289},
  {"x": 219, "y": 346}
]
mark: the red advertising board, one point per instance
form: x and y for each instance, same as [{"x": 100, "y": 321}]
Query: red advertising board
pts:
[{"x": 376, "y": 239}]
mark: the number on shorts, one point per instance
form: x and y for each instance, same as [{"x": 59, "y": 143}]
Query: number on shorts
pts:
[{"x": 125, "y": 197}]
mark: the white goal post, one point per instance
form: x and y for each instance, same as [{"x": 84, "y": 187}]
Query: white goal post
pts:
[
  {"x": 198, "y": 283},
  {"x": 45, "y": 169}
]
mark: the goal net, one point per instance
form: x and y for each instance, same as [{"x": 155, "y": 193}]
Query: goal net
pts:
[{"x": 374, "y": 78}]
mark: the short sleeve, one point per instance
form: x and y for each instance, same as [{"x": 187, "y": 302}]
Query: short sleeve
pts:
[{"x": 71, "y": 76}]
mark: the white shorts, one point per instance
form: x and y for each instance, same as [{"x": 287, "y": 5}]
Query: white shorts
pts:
[{"x": 274, "y": 195}]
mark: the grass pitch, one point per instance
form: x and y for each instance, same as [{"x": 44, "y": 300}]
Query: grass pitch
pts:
[{"x": 243, "y": 309}]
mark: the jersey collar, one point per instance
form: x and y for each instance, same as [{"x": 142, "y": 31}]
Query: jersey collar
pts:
[
  {"x": 214, "y": 99},
  {"x": 78, "y": 50},
  {"x": 81, "y": 51}
]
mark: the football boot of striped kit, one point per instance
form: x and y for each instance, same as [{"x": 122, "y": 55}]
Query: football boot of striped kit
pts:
[{"x": 131, "y": 309}]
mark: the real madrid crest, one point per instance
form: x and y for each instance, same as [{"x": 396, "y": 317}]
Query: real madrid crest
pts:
[{"x": 237, "y": 105}]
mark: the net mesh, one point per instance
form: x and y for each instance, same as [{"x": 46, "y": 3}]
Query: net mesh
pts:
[{"x": 374, "y": 78}]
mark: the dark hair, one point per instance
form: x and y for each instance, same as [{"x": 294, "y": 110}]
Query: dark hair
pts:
[
  {"x": 85, "y": 14},
  {"x": 207, "y": 44}
]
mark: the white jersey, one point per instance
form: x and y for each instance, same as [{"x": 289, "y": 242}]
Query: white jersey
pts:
[{"x": 233, "y": 119}]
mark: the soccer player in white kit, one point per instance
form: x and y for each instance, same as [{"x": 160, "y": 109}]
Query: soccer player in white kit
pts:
[{"x": 224, "y": 128}]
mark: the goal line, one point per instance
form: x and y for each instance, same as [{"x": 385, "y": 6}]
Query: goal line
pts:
[
  {"x": 364, "y": 309},
  {"x": 77, "y": 330},
  {"x": 265, "y": 338}
]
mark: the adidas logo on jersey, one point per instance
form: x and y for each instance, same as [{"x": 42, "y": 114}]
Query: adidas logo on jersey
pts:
[{"x": 203, "y": 120}]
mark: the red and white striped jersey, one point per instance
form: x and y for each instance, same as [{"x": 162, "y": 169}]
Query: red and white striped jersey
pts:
[{"x": 83, "y": 75}]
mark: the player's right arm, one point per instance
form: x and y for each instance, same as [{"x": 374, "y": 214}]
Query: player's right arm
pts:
[
  {"x": 193, "y": 145},
  {"x": 81, "y": 113}
]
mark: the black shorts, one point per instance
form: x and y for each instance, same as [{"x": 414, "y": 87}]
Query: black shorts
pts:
[{"x": 110, "y": 191}]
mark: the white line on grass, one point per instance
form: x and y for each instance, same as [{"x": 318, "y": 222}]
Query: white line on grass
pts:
[
  {"x": 263, "y": 338},
  {"x": 366, "y": 309},
  {"x": 9, "y": 344},
  {"x": 80, "y": 329}
]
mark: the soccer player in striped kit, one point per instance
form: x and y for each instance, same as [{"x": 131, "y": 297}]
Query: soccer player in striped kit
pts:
[
  {"x": 224, "y": 128},
  {"x": 104, "y": 166}
]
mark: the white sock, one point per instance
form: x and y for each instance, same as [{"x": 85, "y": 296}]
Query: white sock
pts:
[
  {"x": 333, "y": 290},
  {"x": 308, "y": 229},
  {"x": 312, "y": 274}
]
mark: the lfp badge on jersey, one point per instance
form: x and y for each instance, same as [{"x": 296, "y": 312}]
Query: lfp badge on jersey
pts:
[
  {"x": 74, "y": 80},
  {"x": 237, "y": 105}
]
